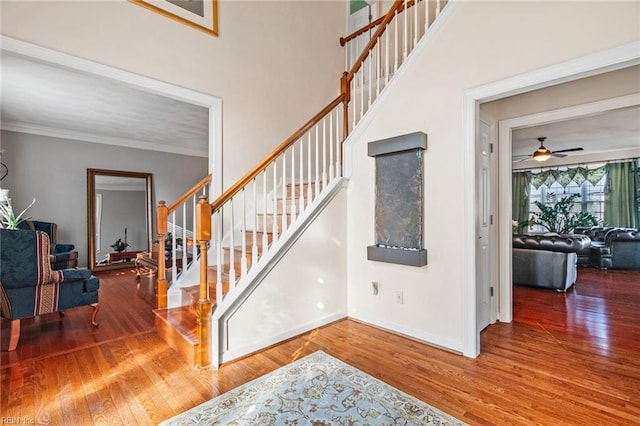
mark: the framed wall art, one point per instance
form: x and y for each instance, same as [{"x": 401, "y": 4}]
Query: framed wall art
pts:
[{"x": 199, "y": 14}]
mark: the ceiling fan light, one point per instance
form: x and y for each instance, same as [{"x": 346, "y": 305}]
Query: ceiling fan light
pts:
[{"x": 542, "y": 155}]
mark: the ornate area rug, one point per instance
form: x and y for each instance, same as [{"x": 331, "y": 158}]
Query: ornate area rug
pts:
[{"x": 316, "y": 390}]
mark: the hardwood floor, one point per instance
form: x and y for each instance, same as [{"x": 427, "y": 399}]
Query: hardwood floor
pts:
[{"x": 566, "y": 359}]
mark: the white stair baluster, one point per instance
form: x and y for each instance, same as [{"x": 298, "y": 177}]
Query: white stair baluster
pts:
[
  {"x": 274, "y": 214},
  {"x": 174, "y": 266},
  {"x": 338, "y": 139},
  {"x": 243, "y": 232},
  {"x": 426, "y": 15},
  {"x": 361, "y": 72},
  {"x": 415, "y": 23},
  {"x": 218, "y": 221},
  {"x": 406, "y": 29},
  {"x": 317, "y": 164},
  {"x": 386, "y": 57},
  {"x": 284, "y": 192},
  {"x": 232, "y": 248},
  {"x": 300, "y": 178},
  {"x": 293, "y": 180},
  {"x": 308, "y": 183},
  {"x": 194, "y": 202},
  {"x": 377, "y": 73},
  {"x": 324, "y": 153},
  {"x": 184, "y": 236},
  {"x": 331, "y": 169},
  {"x": 370, "y": 81},
  {"x": 395, "y": 42},
  {"x": 254, "y": 246},
  {"x": 264, "y": 212}
]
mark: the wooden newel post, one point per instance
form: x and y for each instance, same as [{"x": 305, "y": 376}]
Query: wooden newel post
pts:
[
  {"x": 345, "y": 90},
  {"x": 203, "y": 311},
  {"x": 162, "y": 284}
]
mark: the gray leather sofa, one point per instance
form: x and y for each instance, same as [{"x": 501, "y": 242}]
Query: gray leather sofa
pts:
[
  {"x": 623, "y": 250},
  {"x": 547, "y": 261},
  {"x": 611, "y": 248}
]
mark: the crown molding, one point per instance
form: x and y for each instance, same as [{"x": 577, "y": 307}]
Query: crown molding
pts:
[{"x": 53, "y": 132}]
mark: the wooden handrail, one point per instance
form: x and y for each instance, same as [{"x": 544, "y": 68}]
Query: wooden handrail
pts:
[
  {"x": 197, "y": 187},
  {"x": 253, "y": 173},
  {"x": 344, "y": 40},
  {"x": 369, "y": 26},
  {"x": 383, "y": 25}
]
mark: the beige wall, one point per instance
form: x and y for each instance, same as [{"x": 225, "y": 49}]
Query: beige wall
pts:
[
  {"x": 482, "y": 43},
  {"x": 274, "y": 64},
  {"x": 603, "y": 86}
]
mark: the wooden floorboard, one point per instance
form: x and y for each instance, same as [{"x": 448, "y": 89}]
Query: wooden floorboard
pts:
[{"x": 566, "y": 359}]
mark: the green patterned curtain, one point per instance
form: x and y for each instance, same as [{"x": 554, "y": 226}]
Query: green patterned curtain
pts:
[
  {"x": 565, "y": 177},
  {"x": 621, "y": 195},
  {"x": 520, "y": 198}
]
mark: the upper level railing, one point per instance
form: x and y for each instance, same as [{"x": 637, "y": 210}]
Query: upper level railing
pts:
[{"x": 396, "y": 34}]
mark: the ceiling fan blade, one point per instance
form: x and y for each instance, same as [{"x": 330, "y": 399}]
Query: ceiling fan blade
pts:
[
  {"x": 556, "y": 155},
  {"x": 520, "y": 160},
  {"x": 569, "y": 150},
  {"x": 520, "y": 156}
]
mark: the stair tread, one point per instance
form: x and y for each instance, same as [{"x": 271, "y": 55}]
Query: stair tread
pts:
[{"x": 182, "y": 320}]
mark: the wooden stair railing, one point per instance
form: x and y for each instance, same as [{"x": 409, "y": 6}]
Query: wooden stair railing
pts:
[
  {"x": 397, "y": 34},
  {"x": 164, "y": 213},
  {"x": 267, "y": 201}
]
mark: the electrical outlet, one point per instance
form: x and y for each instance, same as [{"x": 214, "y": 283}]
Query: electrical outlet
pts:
[
  {"x": 399, "y": 298},
  {"x": 374, "y": 287}
]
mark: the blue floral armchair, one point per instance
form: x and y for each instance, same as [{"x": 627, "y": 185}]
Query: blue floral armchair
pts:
[
  {"x": 30, "y": 287},
  {"x": 61, "y": 255}
]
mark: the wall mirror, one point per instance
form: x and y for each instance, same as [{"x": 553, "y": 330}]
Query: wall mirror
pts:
[{"x": 119, "y": 217}]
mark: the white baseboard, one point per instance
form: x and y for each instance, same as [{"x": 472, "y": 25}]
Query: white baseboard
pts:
[
  {"x": 420, "y": 336},
  {"x": 245, "y": 350}
]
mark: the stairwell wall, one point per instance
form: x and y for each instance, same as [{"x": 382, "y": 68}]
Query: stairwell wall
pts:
[
  {"x": 482, "y": 42},
  {"x": 304, "y": 290}
]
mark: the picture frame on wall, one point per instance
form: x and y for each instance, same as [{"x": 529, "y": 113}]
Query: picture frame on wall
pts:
[{"x": 199, "y": 14}]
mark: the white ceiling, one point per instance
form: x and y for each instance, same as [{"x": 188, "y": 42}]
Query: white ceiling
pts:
[
  {"x": 613, "y": 130},
  {"x": 43, "y": 99}
]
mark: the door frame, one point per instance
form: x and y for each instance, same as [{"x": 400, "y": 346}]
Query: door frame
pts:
[{"x": 607, "y": 60}]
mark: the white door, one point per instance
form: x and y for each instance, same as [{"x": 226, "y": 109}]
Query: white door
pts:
[
  {"x": 485, "y": 248},
  {"x": 356, "y": 21}
]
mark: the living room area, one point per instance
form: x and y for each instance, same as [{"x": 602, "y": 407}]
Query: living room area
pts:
[{"x": 570, "y": 153}]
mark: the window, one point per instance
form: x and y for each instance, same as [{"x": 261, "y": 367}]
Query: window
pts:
[{"x": 591, "y": 197}]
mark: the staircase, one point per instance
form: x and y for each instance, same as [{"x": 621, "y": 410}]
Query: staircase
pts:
[{"x": 238, "y": 237}]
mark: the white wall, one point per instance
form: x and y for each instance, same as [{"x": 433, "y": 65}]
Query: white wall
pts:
[
  {"x": 274, "y": 65},
  {"x": 483, "y": 42},
  {"x": 54, "y": 172},
  {"x": 304, "y": 290}
]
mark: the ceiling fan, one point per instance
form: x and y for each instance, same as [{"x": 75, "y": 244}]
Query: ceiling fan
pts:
[{"x": 543, "y": 154}]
